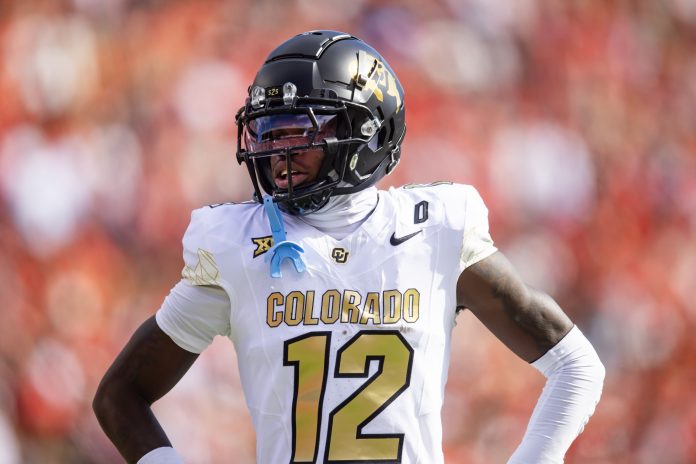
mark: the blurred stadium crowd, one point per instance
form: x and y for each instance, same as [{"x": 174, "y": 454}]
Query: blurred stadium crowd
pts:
[{"x": 576, "y": 120}]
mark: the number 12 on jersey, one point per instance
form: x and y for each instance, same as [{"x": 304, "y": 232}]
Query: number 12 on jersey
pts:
[{"x": 309, "y": 356}]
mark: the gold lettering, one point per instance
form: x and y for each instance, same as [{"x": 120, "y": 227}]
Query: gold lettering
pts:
[
  {"x": 371, "y": 309},
  {"x": 349, "y": 310},
  {"x": 350, "y": 307},
  {"x": 309, "y": 307},
  {"x": 294, "y": 305},
  {"x": 391, "y": 306},
  {"x": 411, "y": 303},
  {"x": 330, "y": 302},
  {"x": 274, "y": 317},
  {"x": 263, "y": 244}
]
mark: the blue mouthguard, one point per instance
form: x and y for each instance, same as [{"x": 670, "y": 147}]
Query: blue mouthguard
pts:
[{"x": 282, "y": 248}]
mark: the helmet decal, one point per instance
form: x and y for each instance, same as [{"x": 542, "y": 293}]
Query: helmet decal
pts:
[{"x": 374, "y": 76}]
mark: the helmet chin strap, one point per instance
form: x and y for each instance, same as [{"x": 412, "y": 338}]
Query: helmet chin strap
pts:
[{"x": 305, "y": 205}]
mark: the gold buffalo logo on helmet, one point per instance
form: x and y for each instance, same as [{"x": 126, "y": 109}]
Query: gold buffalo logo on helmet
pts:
[{"x": 375, "y": 76}]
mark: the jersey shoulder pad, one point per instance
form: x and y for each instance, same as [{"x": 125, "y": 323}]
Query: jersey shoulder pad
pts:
[
  {"x": 214, "y": 231},
  {"x": 222, "y": 225}
]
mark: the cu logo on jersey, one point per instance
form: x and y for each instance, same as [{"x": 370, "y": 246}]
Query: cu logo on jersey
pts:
[{"x": 340, "y": 255}]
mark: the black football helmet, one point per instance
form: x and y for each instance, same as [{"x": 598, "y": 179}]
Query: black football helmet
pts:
[{"x": 327, "y": 90}]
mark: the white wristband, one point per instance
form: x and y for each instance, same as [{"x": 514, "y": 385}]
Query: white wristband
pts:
[{"x": 163, "y": 455}]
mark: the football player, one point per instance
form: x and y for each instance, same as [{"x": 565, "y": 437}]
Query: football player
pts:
[{"x": 340, "y": 298}]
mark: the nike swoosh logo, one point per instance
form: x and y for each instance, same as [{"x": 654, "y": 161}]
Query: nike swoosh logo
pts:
[{"x": 398, "y": 241}]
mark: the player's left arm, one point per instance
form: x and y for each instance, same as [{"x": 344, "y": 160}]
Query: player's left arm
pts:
[{"x": 535, "y": 328}]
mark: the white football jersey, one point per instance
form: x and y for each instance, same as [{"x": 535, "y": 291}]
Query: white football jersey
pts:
[{"x": 346, "y": 361}]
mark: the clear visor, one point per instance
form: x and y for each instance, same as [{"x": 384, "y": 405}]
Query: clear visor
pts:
[{"x": 282, "y": 131}]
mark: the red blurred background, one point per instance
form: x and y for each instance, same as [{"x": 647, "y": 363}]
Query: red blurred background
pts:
[{"x": 575, "y": 120}]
